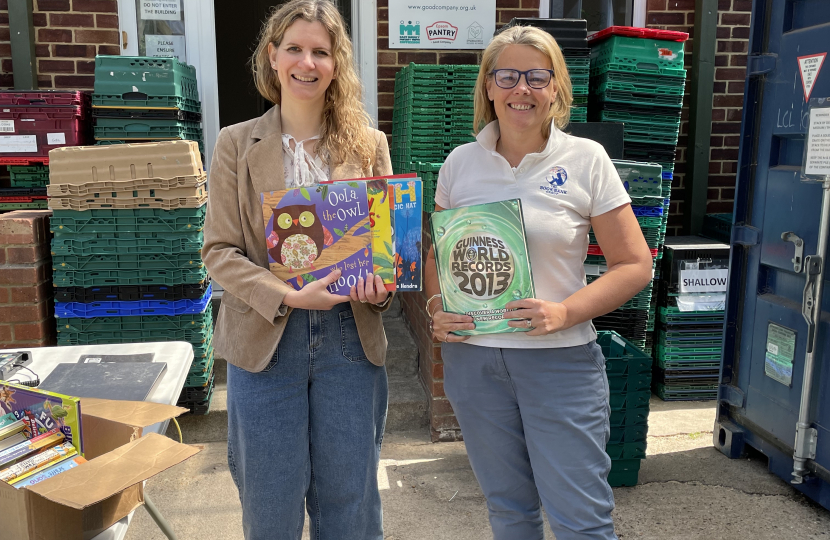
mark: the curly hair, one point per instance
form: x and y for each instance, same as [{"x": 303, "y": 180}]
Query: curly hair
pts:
[
  {"x": 344, "y": 133},
  {"x": 560, "y": 111}
]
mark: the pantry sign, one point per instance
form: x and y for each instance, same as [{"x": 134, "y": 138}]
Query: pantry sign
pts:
[{"x": 442, "y": 24}]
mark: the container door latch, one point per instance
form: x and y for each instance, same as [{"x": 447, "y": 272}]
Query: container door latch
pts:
[
  {"x": 798, "y": 260},
  {"x": 813, "y": 268}
]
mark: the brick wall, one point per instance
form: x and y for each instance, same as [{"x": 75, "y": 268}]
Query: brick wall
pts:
[
  {"x": 26, "y": 298},
  {"x": 68, "y": 35},
  {"x": 727, "y": 102},
  {"x": 443, "y": 424}
]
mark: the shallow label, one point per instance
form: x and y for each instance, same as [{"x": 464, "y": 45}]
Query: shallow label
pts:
[{"x": 703, "y": 280}]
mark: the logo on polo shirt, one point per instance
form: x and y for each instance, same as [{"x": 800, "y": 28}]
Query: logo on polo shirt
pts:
[{"x": 556, "y": 178}]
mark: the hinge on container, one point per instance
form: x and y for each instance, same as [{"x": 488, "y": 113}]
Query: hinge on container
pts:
[
  {"x": 759, "y": 64},
  {"x": 745, "y": 235},
  {"x": 731, "y": 395}
]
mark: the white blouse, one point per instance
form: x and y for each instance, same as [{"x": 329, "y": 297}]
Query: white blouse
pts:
[{"x": 300, "y": 169}]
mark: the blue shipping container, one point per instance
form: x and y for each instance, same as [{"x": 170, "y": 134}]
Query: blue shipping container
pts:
[{"x": 766, "y": 336}]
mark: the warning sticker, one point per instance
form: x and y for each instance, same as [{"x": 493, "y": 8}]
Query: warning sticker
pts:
[
  {"x": 810, "y": 66},
  {"x": 778, "y": 362}
]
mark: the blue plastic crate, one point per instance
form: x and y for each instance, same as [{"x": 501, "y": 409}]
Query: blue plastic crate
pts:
[
  {"x": 647, "y": 211},
  {"x": 131, "y": 309}
]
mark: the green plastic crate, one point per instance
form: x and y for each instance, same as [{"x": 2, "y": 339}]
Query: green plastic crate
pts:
[
  {"x": 201, "y": 379},
  {"x": 627, "y": 450},
  {"x": 152, "y": 76},
  {"x": 145, "y": 220},
  {"x": 629, "y": 417},
  {"x": 128, "y": 261},
  {"x": 104, "y": 278},
  {"x": 29, "y": 176},
  {"x": 628, "y": 434},
  {"x": 85, "y": 245},
  {"x": 655, "y": 120},
  {"x": 640, "y": 179},
  {"x": 629, "y": 383},
  {"x": 191, "y": 131},
  {"x": 640, "y": 98},
  {"x": 118, "y": 101},
  {"x": 639, "y": 55},
  {"x": 624, "y": 472},
  {"x": 34, "y": 205}
]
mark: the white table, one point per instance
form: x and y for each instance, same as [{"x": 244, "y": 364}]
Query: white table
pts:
[{"x": 177, "y": 354}]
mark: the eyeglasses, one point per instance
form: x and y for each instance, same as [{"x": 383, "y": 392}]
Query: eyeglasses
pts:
[{"x": 509, "y": 78}]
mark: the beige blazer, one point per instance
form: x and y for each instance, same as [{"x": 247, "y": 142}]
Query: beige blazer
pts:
[{"x": 247, "y": 161}]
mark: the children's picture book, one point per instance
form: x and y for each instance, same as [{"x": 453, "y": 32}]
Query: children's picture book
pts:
[
  {"x": 482, "y": 260},
  {"x": 12, "y": 455},
  {"x": 42, "y": 460},
  {"x": 45, "y": 410},
  {"x": 381, "y": 224},
  {"x": 311, "y": 231},
  {"x": 408, "y": 222}
]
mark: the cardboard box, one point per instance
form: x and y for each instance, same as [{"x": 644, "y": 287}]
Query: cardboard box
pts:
[{"x": 81, "y": 503}]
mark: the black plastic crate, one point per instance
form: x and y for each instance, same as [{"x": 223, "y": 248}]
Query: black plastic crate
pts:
[
  {"x": 131, "y": 293},
  {"x": 149, "y": 114},
  {"x": 688, "y": 253},
  {"x": 568, "y": 33}
]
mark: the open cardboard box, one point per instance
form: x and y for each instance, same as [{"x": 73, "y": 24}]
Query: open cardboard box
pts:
[{"x": 80, "y": 503}]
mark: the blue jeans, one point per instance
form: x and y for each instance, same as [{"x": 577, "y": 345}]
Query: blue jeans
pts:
[
  {"x": 305, "y": 434},
  {"x": 535, "y": 423}
]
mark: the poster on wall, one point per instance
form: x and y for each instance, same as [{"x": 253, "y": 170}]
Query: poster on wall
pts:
[
  {"x": 450, "y": 24},
  {"x": 165, "y": 46},
  {"x": 161, "y": 10}
]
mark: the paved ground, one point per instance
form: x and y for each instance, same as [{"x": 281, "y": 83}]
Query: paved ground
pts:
[{"x": 687, "y": 490}]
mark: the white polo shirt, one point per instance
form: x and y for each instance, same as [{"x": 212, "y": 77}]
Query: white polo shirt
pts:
[{"x": 561, "y": 187}]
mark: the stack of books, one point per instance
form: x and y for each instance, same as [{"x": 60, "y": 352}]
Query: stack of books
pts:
[{"x": 40, "y": 434}]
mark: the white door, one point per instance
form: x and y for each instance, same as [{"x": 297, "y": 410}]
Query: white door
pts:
[{"x": 181, "y": 28}]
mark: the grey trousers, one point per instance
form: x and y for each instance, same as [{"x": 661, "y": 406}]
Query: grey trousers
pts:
[{"x": 535, "y": 423}]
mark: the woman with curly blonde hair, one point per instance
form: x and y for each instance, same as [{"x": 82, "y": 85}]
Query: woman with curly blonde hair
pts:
[{"x": 307, "y": 388}]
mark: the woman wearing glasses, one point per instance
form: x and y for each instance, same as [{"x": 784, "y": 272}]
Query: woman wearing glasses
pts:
[{"x": 533, "y": 406}]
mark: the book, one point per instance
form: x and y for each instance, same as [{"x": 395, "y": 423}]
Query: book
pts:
[
  {"x": 311, "y": 231},
  {"x": 482, "y": 260},
  {"x": 381, "y": 215},
  {"x": 41, "y": 460},
  {"x": 408, "y": 223},
  {"x": 13, "y": 440},
  {"x": 10, "y": 425},
  {"x": 11, "y": 455},
  {"x": 45, "y": 410},
  {"x": 49, "y": 471}
]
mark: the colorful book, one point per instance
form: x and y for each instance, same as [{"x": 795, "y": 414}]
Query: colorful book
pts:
[
  {"x": 39, "y": 461},
  {"x": 15, "y": 453},
  {"x": 45, "y": 410},
  {"x": 314, "y": 230},
  {"x": 10, "y": 425},
  {"x": 482, "y": 260},
  {"x": 408, "y": 224},
  {"x": 49, "y": 471},
  {"x": 13, "y": 440},
  {"x": 381, "y": 215}
]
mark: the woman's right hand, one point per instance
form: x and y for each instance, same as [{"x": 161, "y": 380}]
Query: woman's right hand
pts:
[
  {"x": 443, "y": 323},
  {"x": 315, "y": 295}
]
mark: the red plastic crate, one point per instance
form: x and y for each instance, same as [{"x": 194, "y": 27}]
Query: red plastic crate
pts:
[
  {"x": 29, "y": 199},
  {"x": 594, "y": 249},
  {"x": 631, "y": 31},
  {"x": 40, "y": 98},
  {"x": 26, "y": 137}
]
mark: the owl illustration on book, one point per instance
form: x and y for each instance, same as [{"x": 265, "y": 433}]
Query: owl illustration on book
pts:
[{"x": 298, "y": 237}]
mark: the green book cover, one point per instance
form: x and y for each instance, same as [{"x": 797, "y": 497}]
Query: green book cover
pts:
[{"x": 482, "y": 259}]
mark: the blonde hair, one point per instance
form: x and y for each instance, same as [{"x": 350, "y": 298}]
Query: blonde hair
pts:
[
  {"x": 345, "y": 121},
  {"x": 560, "y": 111}
]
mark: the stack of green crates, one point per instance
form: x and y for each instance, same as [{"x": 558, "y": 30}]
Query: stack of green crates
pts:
[
  {"x": 579, "y": 66},
  {"x": 635, "y": 319},
  {"x": 433, "y": 114},
  {"x": 640, "y": 82},
  {"x": 688, "y": 354},
  {"x": 140, "y": 98},
  {"x": 628, "y": 370}
]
